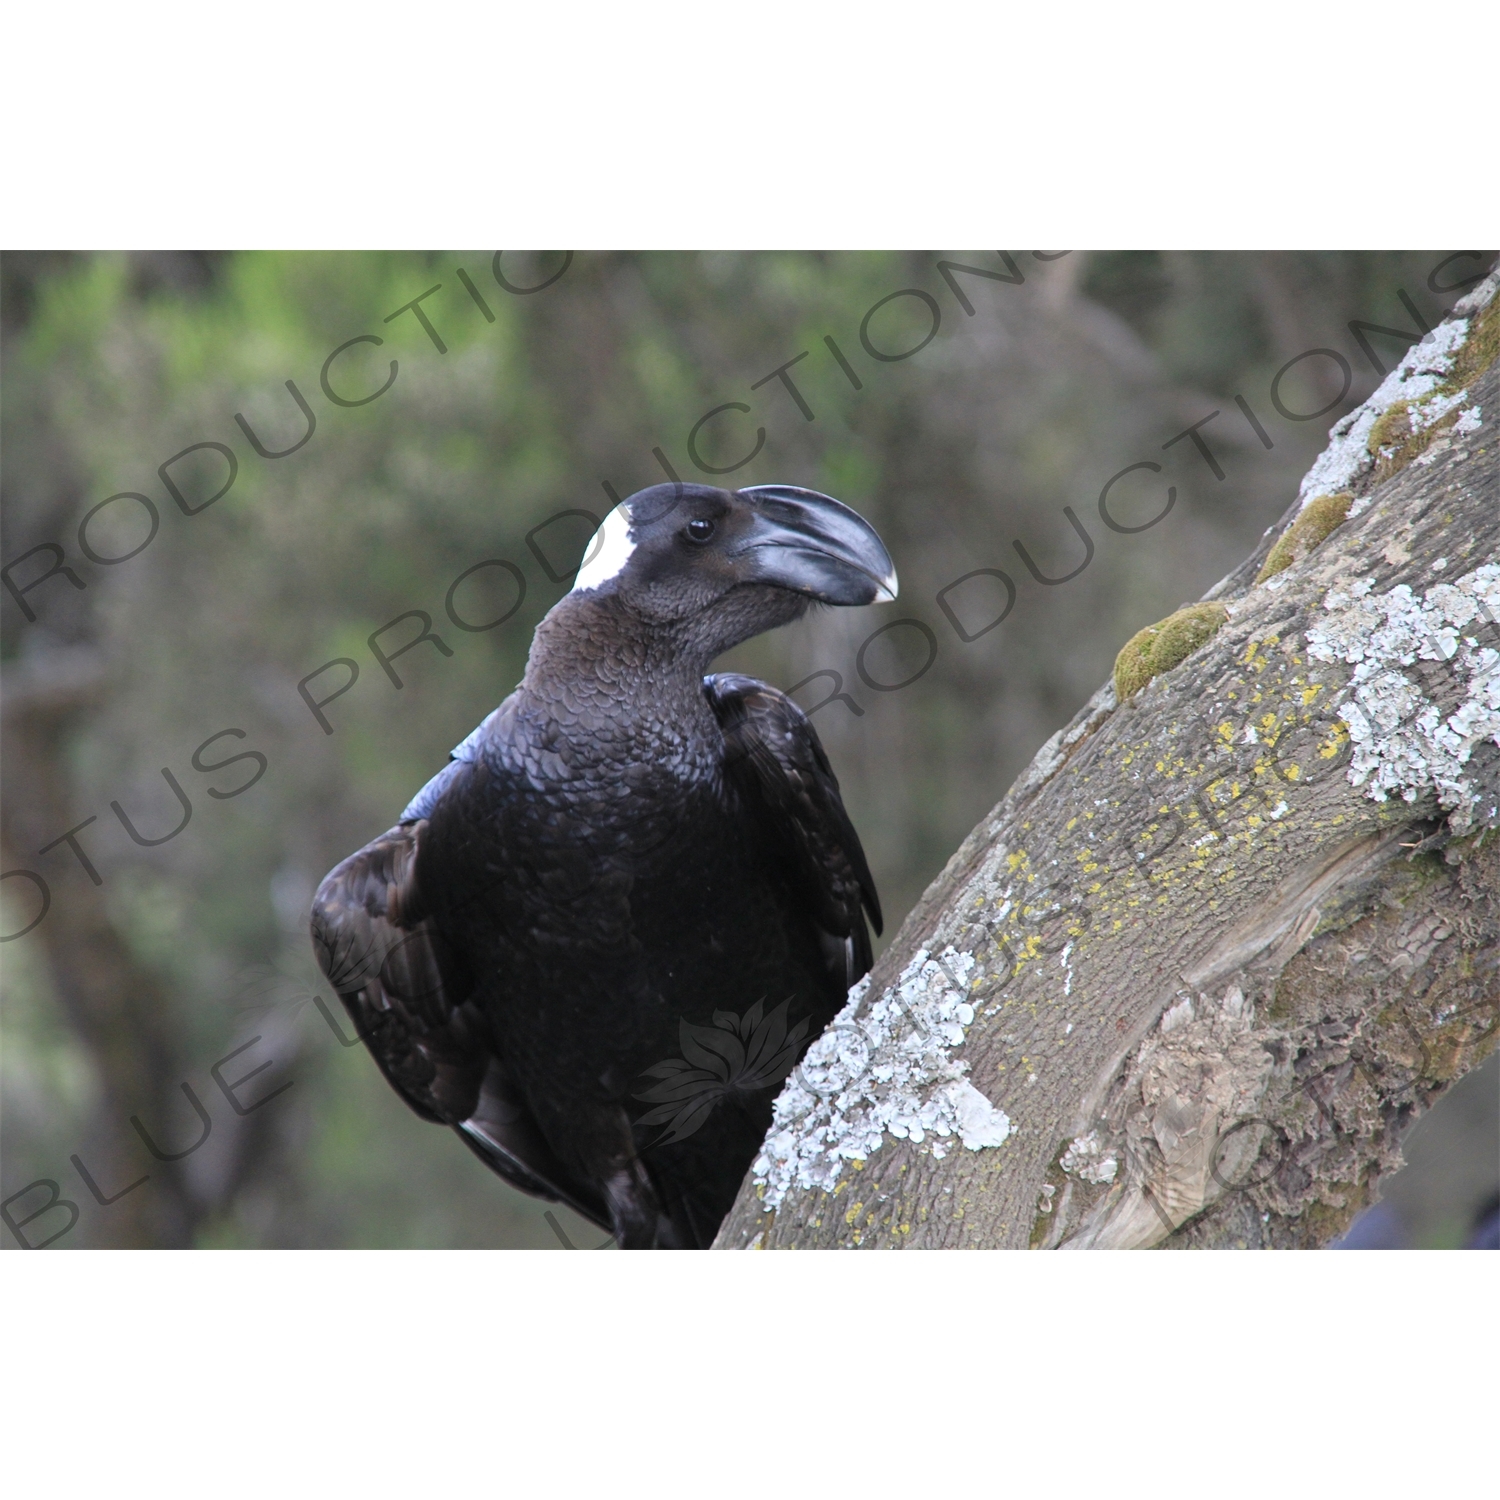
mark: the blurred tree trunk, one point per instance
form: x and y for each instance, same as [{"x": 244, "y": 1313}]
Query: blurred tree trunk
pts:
[
  {"x": 121, "y": 1011},
  {"x": 1208, "y": 980},
  {"x": 118, "y": 1009}
]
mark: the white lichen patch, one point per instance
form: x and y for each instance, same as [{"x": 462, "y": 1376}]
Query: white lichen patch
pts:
[
  {"x": 1417, "y": 380},
  {"x": 1404, "y": 743},
  {"x": 1470, "y": 420},
  {"x": 881, "y": 1069},
  {"x": 1087, "y": 1159}
]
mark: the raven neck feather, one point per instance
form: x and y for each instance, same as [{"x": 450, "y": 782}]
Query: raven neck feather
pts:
[{"x": 597, "y": 665}]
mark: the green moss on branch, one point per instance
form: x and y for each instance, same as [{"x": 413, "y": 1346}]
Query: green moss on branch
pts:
[
  {"x": 1317, "y": 519},
  {"x": 1160, "y": 647}
]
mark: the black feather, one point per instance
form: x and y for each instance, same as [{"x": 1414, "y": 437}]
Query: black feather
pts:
[{"x": 600, "y": 938}]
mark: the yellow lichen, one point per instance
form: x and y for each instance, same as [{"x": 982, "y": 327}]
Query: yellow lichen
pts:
[
  {"x": 1337, "y": 738},
  {"x": 1160, "y": 647},
  {"x": 1314, "y": 523}
]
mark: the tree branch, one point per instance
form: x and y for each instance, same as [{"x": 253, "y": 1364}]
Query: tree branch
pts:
[{"x": 1191, "y": 980}]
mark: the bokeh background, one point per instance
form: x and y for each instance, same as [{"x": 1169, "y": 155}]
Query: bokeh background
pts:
[{"x": 984, "y": 407}]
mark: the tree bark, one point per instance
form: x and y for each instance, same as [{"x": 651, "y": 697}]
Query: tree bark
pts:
[{"x": 1220, "y": 945}]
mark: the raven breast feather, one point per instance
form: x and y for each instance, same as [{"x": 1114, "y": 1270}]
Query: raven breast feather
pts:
[{"x": 411, "y": 991}]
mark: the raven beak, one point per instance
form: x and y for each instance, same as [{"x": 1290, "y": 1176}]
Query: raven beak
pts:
[{"x": 812, "y": 544}]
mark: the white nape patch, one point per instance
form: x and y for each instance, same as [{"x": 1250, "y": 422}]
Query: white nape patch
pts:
[
  {"x": 882, "y": 1069},
  {"x": 608, "y": 550},
  {"x": 1403, "y": 742},
  {"x": 1415, "y": 380}
]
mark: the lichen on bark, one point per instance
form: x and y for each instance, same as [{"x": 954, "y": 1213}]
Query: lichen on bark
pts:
[
  {"x": 1202, "y": 953},
  {"x": 1312, "y": 526}
]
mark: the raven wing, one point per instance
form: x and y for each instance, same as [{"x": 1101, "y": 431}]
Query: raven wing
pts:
[
  {"x": 407, "y": 993},
  {"x": 775, "y": 759}
]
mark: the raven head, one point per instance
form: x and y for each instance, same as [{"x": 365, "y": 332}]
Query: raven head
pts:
[{"x": 737, "y": 562}]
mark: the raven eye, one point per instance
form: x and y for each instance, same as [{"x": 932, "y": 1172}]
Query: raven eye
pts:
[{"x": 700, "y": 529}]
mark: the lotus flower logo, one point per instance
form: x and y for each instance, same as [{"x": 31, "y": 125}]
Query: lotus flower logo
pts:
[{"x": 736, "y": 1055}]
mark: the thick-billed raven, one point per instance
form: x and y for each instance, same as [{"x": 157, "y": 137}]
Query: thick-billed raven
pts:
[{"x": 633, "y": 883}]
